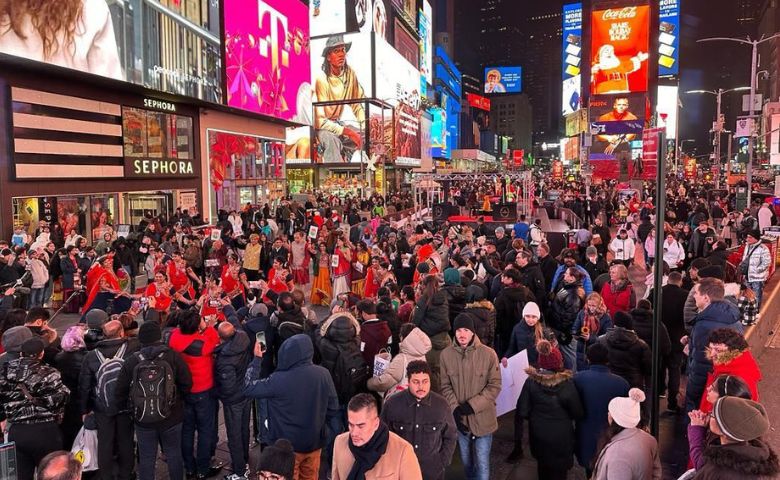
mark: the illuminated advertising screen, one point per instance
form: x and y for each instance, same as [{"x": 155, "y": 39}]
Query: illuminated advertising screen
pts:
[
  {"x": 452, "y": 111},
  {"x": 439, "y": 134},
  {"x": 667, "y": 109},
  {"x": 406, "y": 9},
  {"x": 619, "y": 50},
  {"x": 179, "y": 52},
  {"x": 297, "y": 145},
  {"x": 397, "y": 80},
  {"x": 478, "y": 101},
  {"x": 425, "y": 27},
  {"x": 503, "y": 80},
  {"x": 342, "y": 73},
  {"x": 572, "y": 57},
  {"x": 398, "y": 84},
  {"x": 618, "y": 114},
  {"x": 267, "y": 58},
  {"x": 341, "y": 67},
  {"x": 669, "y": 38},
  {"x": 406, "y": 45},
  {"x": 329, "y": 17}
]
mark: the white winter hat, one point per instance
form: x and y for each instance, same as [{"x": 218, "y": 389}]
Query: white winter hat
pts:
[
  {"x": 625, "y": 410},
  {"x": 532, "y": 308}
]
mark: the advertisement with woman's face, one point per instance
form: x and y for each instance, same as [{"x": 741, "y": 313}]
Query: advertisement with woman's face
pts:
[{"x": 91, "y": 36}]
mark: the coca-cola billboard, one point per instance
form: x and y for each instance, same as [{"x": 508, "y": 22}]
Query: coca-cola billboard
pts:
[{"x": 620, "y": 50}]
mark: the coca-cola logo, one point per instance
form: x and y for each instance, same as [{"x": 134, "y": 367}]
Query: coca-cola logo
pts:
[{"x": 622, "y": 14}]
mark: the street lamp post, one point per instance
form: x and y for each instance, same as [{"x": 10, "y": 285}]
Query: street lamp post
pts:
[
  {"x": 718, "y": 130},
  {"x": 753, "y": 70}
]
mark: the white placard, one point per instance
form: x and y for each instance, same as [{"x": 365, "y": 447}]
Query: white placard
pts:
[{"x": 513, "y": 378}]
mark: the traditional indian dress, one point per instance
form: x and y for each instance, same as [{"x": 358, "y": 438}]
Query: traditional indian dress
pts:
[
  {"x": 181, "y": 283},
  {"x": 300, "y": 263},
  {"x": 321, "y": 291},
  {"x": 232, "y": 286},
  {"x": 161, "y": 303},
  {"x": 100, "y": 284},
  {"x": 359, "y": 272},
  {"x": 341, "y": 274}
]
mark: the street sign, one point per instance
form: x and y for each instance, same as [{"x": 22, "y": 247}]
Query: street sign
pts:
[
  {"x": 744, "y": 128},
  {"x": 758, "y": 99}
]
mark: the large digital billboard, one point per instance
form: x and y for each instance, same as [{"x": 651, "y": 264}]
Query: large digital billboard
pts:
[
  {"x": 503, "y": 79},
  {"x": 669, "y": 38},
  {"x": 571, "y": 57},
  {"x": 179, "y": 52},
  {"x": 398, "y": 84},
  {"x": 342, "y": 78},
  {"x": 439, "y": 134},
  {"x": 620, "y": 114},
  {"x": 425, "y": 28},
  {"x": 619, "y": 50},
  {"x": 329, "y": 17},
  {"x": 267, "y": 58}
]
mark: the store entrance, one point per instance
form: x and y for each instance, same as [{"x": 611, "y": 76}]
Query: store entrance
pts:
[{"x": 149, "y": 205}]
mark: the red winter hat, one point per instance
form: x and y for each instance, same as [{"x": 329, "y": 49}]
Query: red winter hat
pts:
[{"x": 550, "y": 357}]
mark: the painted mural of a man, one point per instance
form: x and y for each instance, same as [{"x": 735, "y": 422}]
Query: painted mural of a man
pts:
[{"x": 338, "y": 82}]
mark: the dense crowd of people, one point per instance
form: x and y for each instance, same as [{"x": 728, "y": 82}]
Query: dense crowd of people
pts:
[{"x": 405, "y": 367}]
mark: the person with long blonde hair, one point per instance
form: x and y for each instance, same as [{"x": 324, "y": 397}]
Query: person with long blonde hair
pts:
[{"x": 77, "y": 34}]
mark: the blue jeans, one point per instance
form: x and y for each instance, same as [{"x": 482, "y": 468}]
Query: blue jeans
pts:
[
  {"x": 475, "y": 455},
  {"x": 36, "y": 297},
  {"x": 199, "y": 416},
  {"x": 170, "y": 440},
  {"x": 758, "y": 288}
]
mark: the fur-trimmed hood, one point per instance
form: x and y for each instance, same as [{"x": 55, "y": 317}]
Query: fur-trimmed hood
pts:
[
  {"x": 752, "y": 459},
  {"x": 547, "y": 378},
  {"x": 481, "y": 304}
]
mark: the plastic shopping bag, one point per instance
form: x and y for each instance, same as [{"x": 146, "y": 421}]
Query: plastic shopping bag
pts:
[
  {"x": 85, "y": 449},
  {"x": 381, "y": 362}
]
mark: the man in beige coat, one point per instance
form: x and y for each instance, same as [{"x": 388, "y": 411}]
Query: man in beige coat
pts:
[
  {"x": 471, "y": 381},
  {"x": 370, "y": 449}
]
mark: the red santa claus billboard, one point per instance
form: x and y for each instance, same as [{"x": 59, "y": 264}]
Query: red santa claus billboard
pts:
[{"x": 619, "y": 53}]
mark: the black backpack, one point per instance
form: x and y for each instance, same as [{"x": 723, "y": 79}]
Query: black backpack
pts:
[
  {"x": 153, "y": 389},
  {"x": 350, "y": 374},
  {"x": 107, "y": 375}
]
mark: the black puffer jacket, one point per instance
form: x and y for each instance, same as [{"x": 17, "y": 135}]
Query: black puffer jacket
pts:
[
  {"x": 629, "y": 356},
  {"x": 432, "y": 317},
  {"x": 231, "y": 361},
  {"x": 533, "y": 279},
  {"x": 456, "y": 300},
  {"x": 509, "y": 308},
  {"x": 566, "y": 304},
  {"x": 338, "y": 332},
  {"x": 484, "y": 314},
  {"x": 643, "y": 326},
  {"x": 44, "y": 384}
]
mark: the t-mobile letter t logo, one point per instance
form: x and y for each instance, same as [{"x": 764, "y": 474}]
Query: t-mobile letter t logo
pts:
[{"x": 276, "y": 38}]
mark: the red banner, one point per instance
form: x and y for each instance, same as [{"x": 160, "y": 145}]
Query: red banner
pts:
[
  {"x": 646, "y": 167},
  {"x": 478, "y": 101},
  {"x": 518, "y": 157}
]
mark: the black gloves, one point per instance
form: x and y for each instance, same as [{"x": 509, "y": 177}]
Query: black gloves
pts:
[{"x": 462, "y": 410}]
